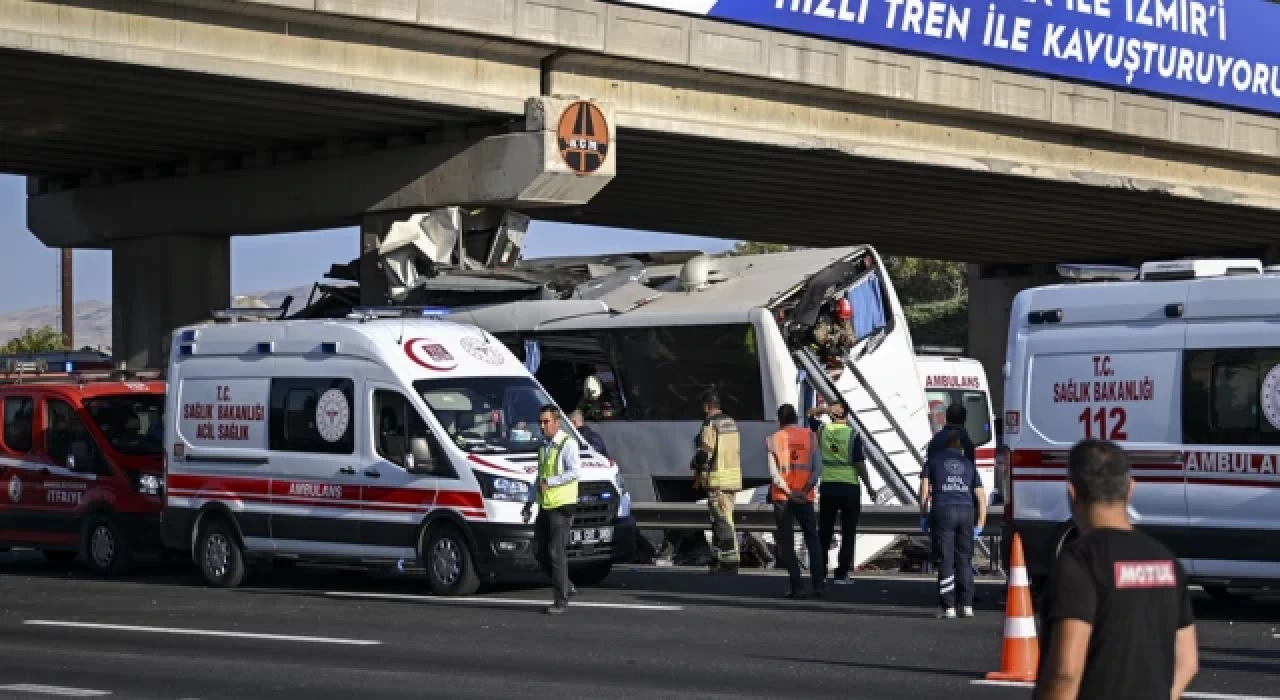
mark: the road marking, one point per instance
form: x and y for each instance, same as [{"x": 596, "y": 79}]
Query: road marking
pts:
[
  {"x": 503, "y": 601},
  {"x": 54, "y": 690},
  {"x": 203, "y": 633},
  {"x": 1189, "y": 694}
]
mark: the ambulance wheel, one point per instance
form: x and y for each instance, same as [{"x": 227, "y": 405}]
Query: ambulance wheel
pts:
[
  {"x": 592, "y": 575},
  {"x": 219, "y": 555},
  {"x": 448, "y": 562},
  {"x": 105, "y": 547}
]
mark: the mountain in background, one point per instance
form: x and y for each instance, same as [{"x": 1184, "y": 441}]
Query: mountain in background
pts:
[{"x": 93, "y": 318}]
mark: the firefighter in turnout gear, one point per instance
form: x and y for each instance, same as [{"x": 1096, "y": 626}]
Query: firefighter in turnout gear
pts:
[
  {"x": 556, "y": 492},
  {"x": 795, "y": 467},
  {"x": 717, "y": 464}
]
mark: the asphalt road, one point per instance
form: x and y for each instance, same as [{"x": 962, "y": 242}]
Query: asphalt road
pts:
[{"x": 646, "y": 633}]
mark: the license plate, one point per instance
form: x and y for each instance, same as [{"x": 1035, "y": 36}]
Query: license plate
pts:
[{"x": 591, "y": 535}]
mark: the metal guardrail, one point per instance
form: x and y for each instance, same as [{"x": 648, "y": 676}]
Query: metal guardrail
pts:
[{"x": 758, "y": 517}]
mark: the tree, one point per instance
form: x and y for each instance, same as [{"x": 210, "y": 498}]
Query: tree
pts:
[
  {"x": 754, "y": 248},
  {"x": 43, "y": 339},
  {"x": 923, "y": 281}
]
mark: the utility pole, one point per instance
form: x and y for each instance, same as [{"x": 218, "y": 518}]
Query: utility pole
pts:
[{"x": 67, "y": 298}]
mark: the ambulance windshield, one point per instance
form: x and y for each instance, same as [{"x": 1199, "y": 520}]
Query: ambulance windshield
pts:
[
  {"x": 132, "y": 424},
  {"x": 488, "y": 414}
]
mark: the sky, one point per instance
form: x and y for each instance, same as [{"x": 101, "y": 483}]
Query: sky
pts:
[{"x": 29, "y": 270}]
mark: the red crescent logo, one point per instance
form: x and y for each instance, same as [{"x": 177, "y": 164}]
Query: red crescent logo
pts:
[{"x": 438, "y": 358}]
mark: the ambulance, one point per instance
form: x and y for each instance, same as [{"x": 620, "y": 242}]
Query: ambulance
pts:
[
  {"x": 950, "y": 379},
  {"x": 383, "y": 439},
  {"x": 1179, "y": 363}
]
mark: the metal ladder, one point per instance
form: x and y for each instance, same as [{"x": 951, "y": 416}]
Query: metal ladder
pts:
[{"x": 888, "y": 448}]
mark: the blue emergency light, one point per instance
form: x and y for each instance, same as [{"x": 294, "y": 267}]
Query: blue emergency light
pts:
[
  {"x": 68, "y": 367},
  {"x": 435, "y": 312}
]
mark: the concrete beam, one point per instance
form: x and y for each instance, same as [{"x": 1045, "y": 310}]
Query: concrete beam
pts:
[
  {"x": 518, "y": 170},
  {"x": 739, "y": 110}
]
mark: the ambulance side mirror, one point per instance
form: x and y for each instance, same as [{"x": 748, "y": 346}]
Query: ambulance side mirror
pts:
[{"x": 422, "y": 458}]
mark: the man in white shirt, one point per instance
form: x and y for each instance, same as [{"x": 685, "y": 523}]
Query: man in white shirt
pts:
[{"x": 556, "y": 492}]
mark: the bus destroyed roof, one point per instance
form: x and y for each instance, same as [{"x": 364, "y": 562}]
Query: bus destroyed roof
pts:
[{"x": 658, "y": 282}]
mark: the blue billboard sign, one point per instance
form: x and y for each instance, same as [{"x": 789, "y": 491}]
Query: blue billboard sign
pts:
[{"x": 1214, "y": 51}]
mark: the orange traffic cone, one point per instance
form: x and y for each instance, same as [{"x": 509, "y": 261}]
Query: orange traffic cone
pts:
[{"x": 1021, "y": 655}]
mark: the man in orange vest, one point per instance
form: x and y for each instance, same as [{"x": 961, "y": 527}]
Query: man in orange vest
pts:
[{"x": 795, "y": 467}]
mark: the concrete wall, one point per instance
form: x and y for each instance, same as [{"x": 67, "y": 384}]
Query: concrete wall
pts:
[{"x": 991, "y": 293}]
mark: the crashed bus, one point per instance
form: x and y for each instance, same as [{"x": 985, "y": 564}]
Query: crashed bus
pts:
[{"x": 634, "y": 339}]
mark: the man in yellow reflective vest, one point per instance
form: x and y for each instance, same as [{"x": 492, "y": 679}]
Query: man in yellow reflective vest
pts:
[
  {"x": 717, "y": 464},
  {"x": 844, "y": 467},
  {"x": 556, "y": 493},
  {"x": 794, "y": 468}
]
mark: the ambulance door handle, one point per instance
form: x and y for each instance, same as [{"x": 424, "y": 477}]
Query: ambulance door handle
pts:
[
  {"x": 372, "y": 473},
  {"x": 348, "y": 470}
]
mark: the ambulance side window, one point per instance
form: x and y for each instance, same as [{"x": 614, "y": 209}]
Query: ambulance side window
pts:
[
  {"x": 314, "y": 415},
  {"x": 1222, "y": 397},
  {"x": 68, "y": 441},
  {"x": 18, "y": 414},
  {"x": 396, "y": 424}
]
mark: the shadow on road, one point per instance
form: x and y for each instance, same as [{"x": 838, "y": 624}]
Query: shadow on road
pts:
[{"x": 953, "y": 672}]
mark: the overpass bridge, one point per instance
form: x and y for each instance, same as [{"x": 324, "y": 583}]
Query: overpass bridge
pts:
[{"x": 160, "y": 129}]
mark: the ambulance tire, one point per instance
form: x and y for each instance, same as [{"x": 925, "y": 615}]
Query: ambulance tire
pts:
[
  {"x": 219, "y": 554},
  {"x": 105, "y": 548},
  {"x": 448, "y": 562},
  {"x": 591, "y": 575}
]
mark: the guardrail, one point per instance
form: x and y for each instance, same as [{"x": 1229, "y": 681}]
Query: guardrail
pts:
[{"x": 758, "y": 517}]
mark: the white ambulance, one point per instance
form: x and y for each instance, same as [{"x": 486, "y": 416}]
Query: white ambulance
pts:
[
  {"x": 1179, "y": 363},
  {"x": 950, "y": 379},
  {"x": 371, "y": 440}
]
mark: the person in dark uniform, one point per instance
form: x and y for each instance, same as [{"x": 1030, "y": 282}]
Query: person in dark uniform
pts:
[
  {"x": 949, "y": 488},
  {"x": 588, "y": 433},
  {"x": 956, "y": 418},
  {"x": 1118, "y": 621}
]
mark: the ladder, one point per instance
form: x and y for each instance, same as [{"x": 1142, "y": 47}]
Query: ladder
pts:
[{"x": 895, "y": 460}]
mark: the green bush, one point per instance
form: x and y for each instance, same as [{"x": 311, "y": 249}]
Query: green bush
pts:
[{"x": 943, "y": 323}]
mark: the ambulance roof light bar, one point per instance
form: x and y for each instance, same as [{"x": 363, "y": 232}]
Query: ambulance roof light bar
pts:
[
  {"x": 1087, "y": 272},
  {"x": 1188, "y": 268},
  {"x": 939, "y": 350},
  {"x": 368, "y": 313}
]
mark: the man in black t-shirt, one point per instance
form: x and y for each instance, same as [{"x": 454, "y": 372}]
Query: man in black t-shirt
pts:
[{"x": 1118, "y": 617}]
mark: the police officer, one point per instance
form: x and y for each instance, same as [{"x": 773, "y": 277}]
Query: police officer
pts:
[
  {"x": 795, "y": 468},
  {"x": 556, "y": 492},
  {"x": 844, "y": 467},
  {"x": 717, "y": 464},
  {"x": 1118, "y": 620},
  {"x": 949, "y": 487}
]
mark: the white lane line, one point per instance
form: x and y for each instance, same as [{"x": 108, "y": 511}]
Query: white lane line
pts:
[
  {"x": 1188, "y": 694},
  {"x": 54, "y": 690},
  {"x": 501, "y": 601},
  {"x": 203, "y": 633}
]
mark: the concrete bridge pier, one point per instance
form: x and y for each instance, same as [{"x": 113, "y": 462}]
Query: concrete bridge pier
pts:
[
  {"x": 160, "y": 283},
  {"x": 171, "y": 239}
]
